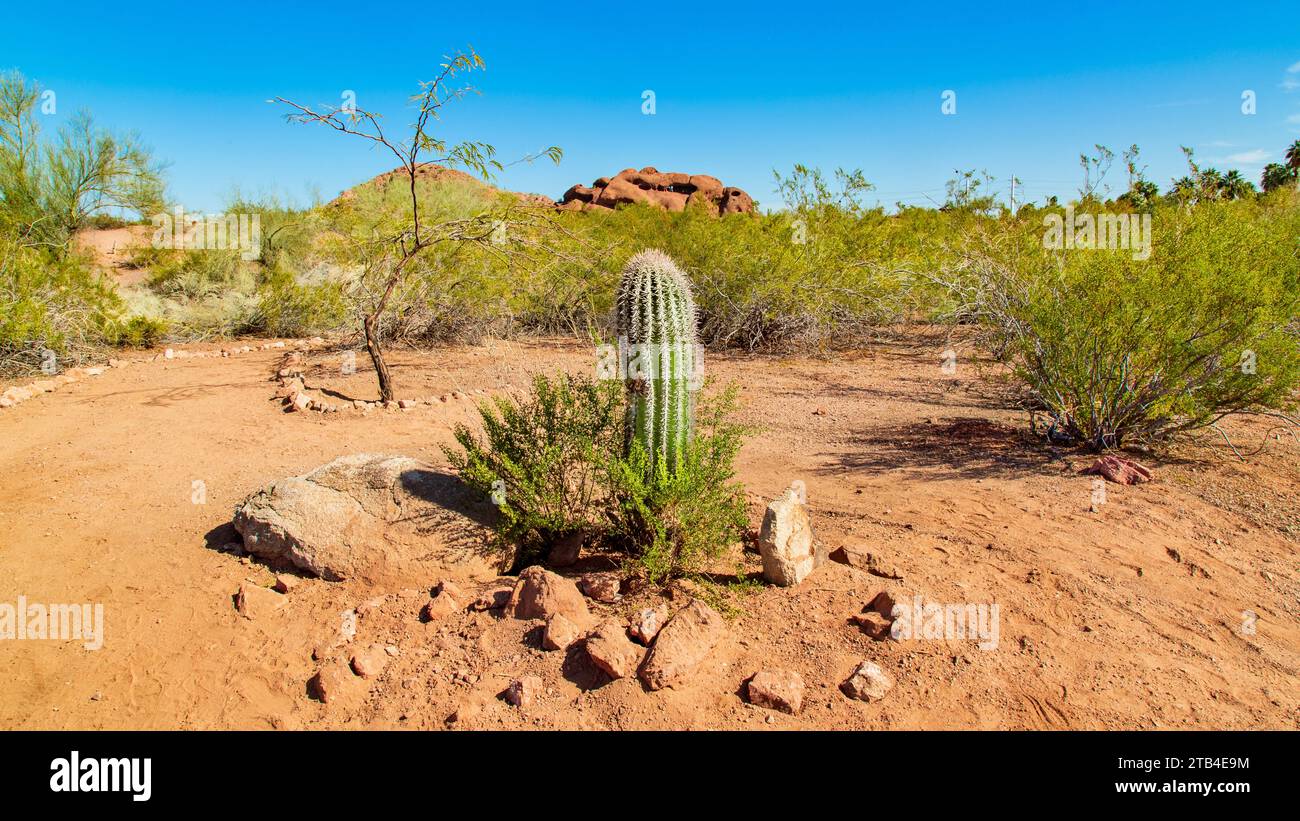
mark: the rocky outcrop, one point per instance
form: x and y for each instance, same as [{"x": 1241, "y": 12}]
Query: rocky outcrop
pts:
[{"x": 670, "y": 191}]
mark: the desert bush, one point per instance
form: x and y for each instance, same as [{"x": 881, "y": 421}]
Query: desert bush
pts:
[
  {"x": 49, "y": 302},
  {"x": 197, "y": 274},
  {"x": 674, "y": 520},
  {"x": 555, "y": 465},
  {"x": 136, "y": 331},
  {"x": 1116, "y": 351},
  {"x": 289, "y": 306},
  {"x": 544, "y": 461}
]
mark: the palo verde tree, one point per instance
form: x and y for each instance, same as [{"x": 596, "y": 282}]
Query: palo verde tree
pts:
[
  {"x": 388, "y": 259},
  {"x": 49, "y": 188}
]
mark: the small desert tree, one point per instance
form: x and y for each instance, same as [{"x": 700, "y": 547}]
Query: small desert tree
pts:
[
  {"x": 388, "y": 260},
  {"x": 50, "y": 188}
]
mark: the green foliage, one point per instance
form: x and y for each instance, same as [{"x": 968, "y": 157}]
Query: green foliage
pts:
[
  {"x": 50, "y": 302},
  {"x": 674, "y": 520},
  {"x": 1117, "y": 351},
  {"x": 196, "y": 274},
  {"x": 136, "y": 331},
  {"x": 555, "y": 466},
  {"x": 544, "y": 460},
  {"x": 50, "y": 188},
  {"x": 289, "y": 307}
]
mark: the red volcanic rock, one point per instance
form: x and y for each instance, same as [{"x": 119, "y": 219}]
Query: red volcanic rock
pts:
[
  {"x": 1120, "y": 470},
  {"x": 671, "y": 191}
]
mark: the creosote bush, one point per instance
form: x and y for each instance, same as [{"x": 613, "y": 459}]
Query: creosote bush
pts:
[
  {"x": 1115, "y": 351},
  {"x": 544, "y": 461},
  {"x": 675, "y": 519},
  {"x": 556, "y": 466}
]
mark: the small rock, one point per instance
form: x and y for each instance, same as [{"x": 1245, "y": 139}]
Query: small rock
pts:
[
  {"x": 873, "y": 624},
  {"x": 684, "y": 642},
  {"x": 610, "y": 650},
  {"x": 522, "y": 691},
  {"x": 603, "y": 587},
  {"x": 540, "y": 594},
  {"x": 868, "y": 683},
  {"x": 1119, "y": 470},
  {"x": 566, "y": 551},
  {"x": 254, "y": 601},
  {"x": 884, "y": 604},
  {"x": 777, "y": 690},
  {"x": 786, "y": 542},
  {"x": 560, "y": 632},
  {"x": 450, "y": 588},
  {"x": 285, "y": 583},
  {"x": 370, "y": 662},
  {"x": 439, "y": 606},
  {"x": 406, "y": 404},
  {"x": 647, "y": 623},
  {"x": 331, "y": 682}
]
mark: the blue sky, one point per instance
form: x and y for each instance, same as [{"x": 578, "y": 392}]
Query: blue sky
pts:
[{"x": 739, "y": 89}]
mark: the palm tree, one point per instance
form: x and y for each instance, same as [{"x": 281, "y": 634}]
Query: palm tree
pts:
[
  {"x": 1183, "y": 190},
  {"x": 1276, "y": 176},
  {"x": 1235, "y": 186},
  {"x": 1293, "y": 157}
]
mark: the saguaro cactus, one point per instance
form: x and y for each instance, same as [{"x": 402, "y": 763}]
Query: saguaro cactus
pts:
[{"x": 660, "y": 354}]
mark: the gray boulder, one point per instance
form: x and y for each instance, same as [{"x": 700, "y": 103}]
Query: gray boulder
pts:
[{"x": 363, "y": 515}]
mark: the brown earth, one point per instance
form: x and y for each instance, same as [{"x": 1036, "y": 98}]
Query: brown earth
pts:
[
  {"x": 1127, "y": 617},
  {"x": 111, "y": 248}
]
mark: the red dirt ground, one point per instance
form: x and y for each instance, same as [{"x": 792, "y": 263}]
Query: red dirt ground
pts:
[{"x": 1128, "y": 617}]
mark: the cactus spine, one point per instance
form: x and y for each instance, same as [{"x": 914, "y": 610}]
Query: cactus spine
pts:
[{"x": 660, "y": 354}]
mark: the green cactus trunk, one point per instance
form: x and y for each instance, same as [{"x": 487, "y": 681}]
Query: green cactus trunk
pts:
[{"x": 660, "y": 355}]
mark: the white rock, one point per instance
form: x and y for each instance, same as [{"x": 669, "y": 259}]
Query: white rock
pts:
[{"x": 786, "y": 542}]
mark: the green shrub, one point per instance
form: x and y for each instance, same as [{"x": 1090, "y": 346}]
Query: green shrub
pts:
[
  {"x": 290, "y": 308},
  {"x": 1117, "y": 351},
  {"x": 136, "y": 331},
  {"x": 544, "y": 460},
  {"x": 49, "y": 301},
  {"x": 675, "y": 520},
  {"x": 198, "y": 274},
  {"x": 555, "y": 466}
]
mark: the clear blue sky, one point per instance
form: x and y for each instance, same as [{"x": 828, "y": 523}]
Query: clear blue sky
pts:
[{"x": 739, "y": 89}]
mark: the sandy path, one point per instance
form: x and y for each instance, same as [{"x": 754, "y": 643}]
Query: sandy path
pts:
[{"x": 1100, "y": 625}]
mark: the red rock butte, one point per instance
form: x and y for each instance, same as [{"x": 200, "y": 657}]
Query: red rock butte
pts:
[{"x": 668, "y": 190}]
